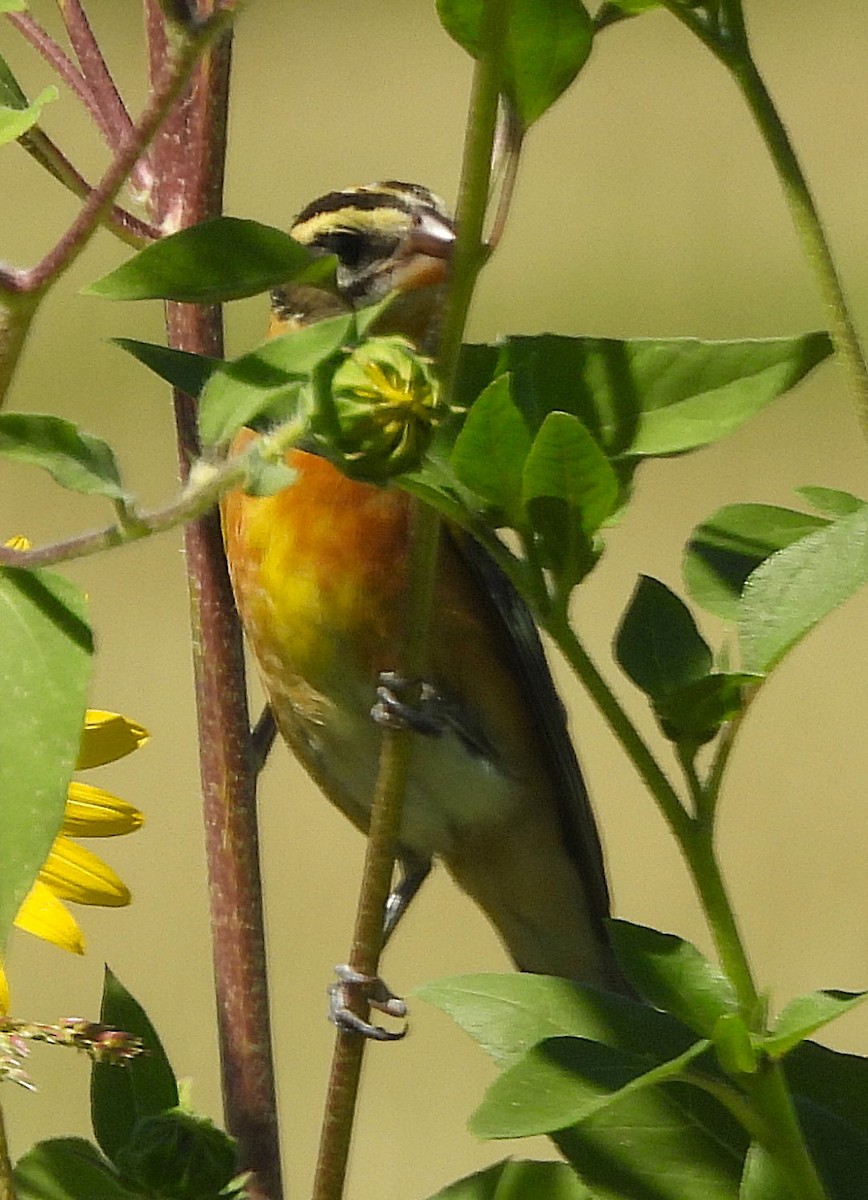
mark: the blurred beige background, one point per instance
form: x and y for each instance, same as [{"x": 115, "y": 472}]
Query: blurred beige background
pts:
[{"x": 645, "y": 207}]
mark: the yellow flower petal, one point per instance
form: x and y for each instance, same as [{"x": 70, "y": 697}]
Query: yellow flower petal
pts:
[
  {"x": 4, "y": 992},
  {"x": 92, "y": 812},
  {"x": 107, "y": 737},
  {"x": 74, "y": 873},
  {"x": 43, "y": 914},
  {"x": 19, "y": 542}
]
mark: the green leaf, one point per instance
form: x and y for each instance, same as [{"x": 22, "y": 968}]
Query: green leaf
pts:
[
  {"x": 789, "y": 593},
  {"x": 13, "y": 6},
  {"x": 665, "y": 1143},
  {"x": 545, "y": 45},
  {"x": 78, "y": 461},
  {"x": 734, "y": 1046},
  {"x": 490, "y": 453},
  {"x": 673, "y": 975},
  {"x": 564, "y": 1081},
  {"x": 568, "y": 490},
  {"x": 120, "y": 1098},
  {"x": 518, "y": 1180},
  {"x": 15, "y": 121},
  {"x": 11, "y": 95},
  {"x": 222, "y": 259},
  {"x": 839, "y": 1151},
  {"x": 725, "y": 549},
  {"x": 832, "y": 1079},
  {"x": 830, "y": 501},
  {"x": 805, "y": 1015},
  {"x": 185, "y": 371},
  {"x": 67, "y": 1169},
  {"x": 45, "y": 661},
  {"x": 698, "y": 394},
  {"x": 241, "y": 390},
  {"x": 693, "y": 713},
  {"x": 657, "y": 644},
  {"x": 763, "y": 1178}
]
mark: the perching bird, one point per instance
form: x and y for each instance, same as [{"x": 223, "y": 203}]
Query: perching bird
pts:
[{"x": 319, "y": 572}]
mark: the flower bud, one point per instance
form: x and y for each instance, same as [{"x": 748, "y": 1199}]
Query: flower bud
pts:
[{"x": 386, "y": 403}]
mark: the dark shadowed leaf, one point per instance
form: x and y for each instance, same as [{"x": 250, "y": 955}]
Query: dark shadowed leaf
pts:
[
  {"x": 185, "y": 371},
  {"x": 67, "y": 1169},
  {"x": 658, "y": 644},
  {"x": 145, "y": 1086}
]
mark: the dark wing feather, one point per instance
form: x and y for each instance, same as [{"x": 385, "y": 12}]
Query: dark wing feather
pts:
[{"x": 579, "y": 827}]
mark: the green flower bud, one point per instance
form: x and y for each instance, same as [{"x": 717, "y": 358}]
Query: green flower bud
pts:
[
  {"x": 386, "y": 404},
  {"x": 177, "y": 1155}
]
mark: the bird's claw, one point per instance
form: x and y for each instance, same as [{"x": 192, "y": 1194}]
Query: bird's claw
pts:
[
  {"x": 421, "y": 711},
  {"x": 378, "y": 996}
]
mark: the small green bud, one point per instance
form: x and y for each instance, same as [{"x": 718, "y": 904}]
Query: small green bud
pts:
[
  {"x": 178, "y": 1155},
  {"x": 386, "y": 404}
]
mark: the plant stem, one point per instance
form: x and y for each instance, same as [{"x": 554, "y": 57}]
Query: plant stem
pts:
[
  {"x": 650, "y": 771},
  {"x": 188, "y": 161},
  {"x": 383, "y": 834},
  {"x": 771, "y": 1098},
  {"x": 732, "y": 49},
  {"x": 810, "y": 230},
  {"x": 7, "y": 1180},
  {"x": 470, "y": 251},
  {"x": 204, "y": 488}
]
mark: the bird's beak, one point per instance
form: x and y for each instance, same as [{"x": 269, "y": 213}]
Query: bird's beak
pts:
[{"x": 423, "y": 260}]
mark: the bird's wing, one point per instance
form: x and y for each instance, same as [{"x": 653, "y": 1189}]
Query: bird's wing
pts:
[{"x": 522, "y": 640}]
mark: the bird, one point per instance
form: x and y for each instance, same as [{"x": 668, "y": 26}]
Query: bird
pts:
[{"x": 319, "y": 573}]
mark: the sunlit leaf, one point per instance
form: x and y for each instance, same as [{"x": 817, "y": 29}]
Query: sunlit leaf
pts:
[
  {"x": 514, "y": 1179},
  {"x": 45, "y": 661},
  {"x": 726, "y": 548},
  {"x": 240, "y": 390},
  {"x": 545, "y": 45},
  {"x": 490, "y": 452},
  {"x": 830, "y": 501},
  {"x": 15, "y": 121},
  {"x": 805, "y": 1015},
  {"x": 673, "y": 975},
  {"x": 225, "y": 258},
  {"x": 790, "y": 592},
  {"x": 78, "y": 461}
]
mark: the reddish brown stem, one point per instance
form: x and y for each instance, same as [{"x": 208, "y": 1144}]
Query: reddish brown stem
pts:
[
  {"x": 188, "y": 157},
  {"x": 115, "y": 119}
]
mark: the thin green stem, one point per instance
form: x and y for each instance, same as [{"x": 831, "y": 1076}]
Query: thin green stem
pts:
[
  {"x": 732, "y": 48},
  {"x": 770, "y": 1096},
  {"x": 649, "y": 769},
  {"x": 810, "y": 230},
  {"x": 206, "y": 484},
  {"x": 697, "y": 845},
  {"x": 7, "y": 1179},
  {"x": 383, "y": 834},
  {"x": 470, "y": 251},
  {"x": 687, "y": 761}
]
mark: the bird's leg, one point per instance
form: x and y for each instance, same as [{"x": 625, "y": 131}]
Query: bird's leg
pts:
[
  {"x": 378, "y": 996},
  {"x": 262, "y": 737},
  {"x": 414, "y": 872},
  {"x": 418, "y": 705}
]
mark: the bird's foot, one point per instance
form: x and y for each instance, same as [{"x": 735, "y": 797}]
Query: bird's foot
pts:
[
  {"x": 378, "y": 996},
  {"x": 409, "y": 704}
]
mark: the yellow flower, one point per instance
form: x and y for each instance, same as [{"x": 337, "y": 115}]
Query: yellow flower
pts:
[{"x": 70, "y": 872}]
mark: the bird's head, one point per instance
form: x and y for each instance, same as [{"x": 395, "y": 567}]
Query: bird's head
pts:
[{"x": 387, "y": 237}]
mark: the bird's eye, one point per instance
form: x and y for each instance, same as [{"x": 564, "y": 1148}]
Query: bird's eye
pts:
[{"x": 350, "y": 248}]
